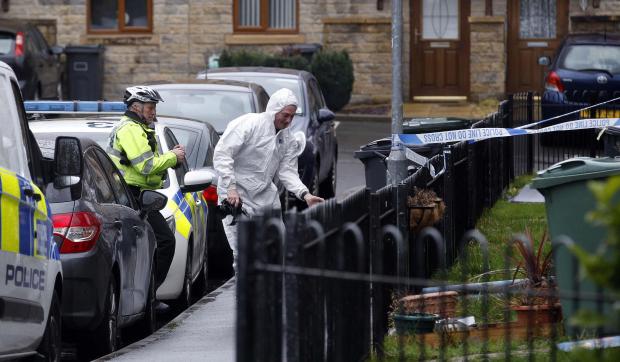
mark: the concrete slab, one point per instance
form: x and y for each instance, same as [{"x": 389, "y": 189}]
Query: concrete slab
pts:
[
  {"x": 528, "y": 194},
  {"x": 204, "y": 332}
]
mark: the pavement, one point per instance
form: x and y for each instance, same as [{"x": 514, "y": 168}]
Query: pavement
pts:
[
  {"x": 204, "y": 332},
  {"x": 421, "y": 110},
  {"x": 528, "y": 194}
]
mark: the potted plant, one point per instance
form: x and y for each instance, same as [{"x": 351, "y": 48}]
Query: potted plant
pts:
[
  {"x": 425, "y": 209},
  {"x": 536, "y": 301}
]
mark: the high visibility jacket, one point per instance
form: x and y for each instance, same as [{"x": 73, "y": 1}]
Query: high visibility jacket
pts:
[{"x": 132, "y": 146}]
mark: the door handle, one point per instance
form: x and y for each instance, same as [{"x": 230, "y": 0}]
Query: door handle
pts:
[{"x": 32, "y": 193}]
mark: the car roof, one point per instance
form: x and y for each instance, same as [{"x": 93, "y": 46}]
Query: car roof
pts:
[
  {"x": 211, "y": 84},
  {"x": 593, "y": 38},
  {"x": 87, "y": 124},
  {"x": 282, "y": 72}
]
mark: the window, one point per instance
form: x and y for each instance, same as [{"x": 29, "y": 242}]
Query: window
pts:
[
  {"x": 120, "y": 16},
  {"x": 278, "y": 16},
  {"x": 537, "y": 19},
  {"x": 122, "y": 194},
  {"x": 95, "y": 185}
]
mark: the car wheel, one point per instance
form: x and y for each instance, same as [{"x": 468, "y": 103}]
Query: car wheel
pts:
[
  {"x": 108, "y": 331},
  {"x": 328, "y": 186},
  {"x": 185, "y": 298},
  {"x": 202, "y": 283},
  {"x": 51, "y": 345},
  {"x": 148, "y": 324}
]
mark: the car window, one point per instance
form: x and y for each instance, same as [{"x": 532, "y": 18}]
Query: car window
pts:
[
  {"x": 96, "y": 185},
  {"x": 43, "y": 45},
  {"x": 270, "y": 83},
  {"x": 13, "y": 152},
  {"x": 592, "y": 57},
  {"x": 7, "y": 43},
  {"x": 122, "y": 194},
  {"x": 189, "y": 139},
  {"x": 263, "y": 99},
  {"x": 218, "y": 107},
  {"x": 315, "y": 90},
  {"x": 171, "y": 141}
]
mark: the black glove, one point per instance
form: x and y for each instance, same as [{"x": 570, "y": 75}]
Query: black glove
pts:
[{"x": 226, "y": 209}]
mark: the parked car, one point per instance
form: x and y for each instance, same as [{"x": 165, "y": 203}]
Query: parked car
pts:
[
  {"x": 584, "y": 71},
  {"x": 36, "y": 64},
  {"x": 32, "y": 281},
  {"x": 107, "y": 248},
  {"x": 199, "y": 139},
  {"x": 317, "y": 164},
  {"x": 186, "y": 210},
  {"x": 214, "y": 101}
]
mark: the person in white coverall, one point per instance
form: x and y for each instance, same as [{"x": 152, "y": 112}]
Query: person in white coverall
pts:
[{"x": 254, "y": 149}]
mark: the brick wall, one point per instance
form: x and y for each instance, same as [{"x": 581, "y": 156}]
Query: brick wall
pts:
[{"x": 488, "y": 57}]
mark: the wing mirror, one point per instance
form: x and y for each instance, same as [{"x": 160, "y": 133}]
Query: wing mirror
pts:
[
  {"x": 325, "y": 115},
  {"x": 545, "y": 61},
  {"x": 197, "y": 180},
  {"x": 67, "y": 162},
  {"x": 151, "y": 201},
  {"x": 57, "y": 50}
]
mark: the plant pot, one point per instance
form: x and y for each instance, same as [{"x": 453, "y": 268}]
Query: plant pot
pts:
[
  {"x": 442, "y": 303},
  {"x": 536, "y": 315},
  {"x": 415, "y": 323}
]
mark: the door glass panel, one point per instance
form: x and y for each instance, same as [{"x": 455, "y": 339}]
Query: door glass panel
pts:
[
  {"x": 537, "y": 19},
  {"x": 440, "y": 19}
]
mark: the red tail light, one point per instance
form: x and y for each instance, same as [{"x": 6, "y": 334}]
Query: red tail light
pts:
[
  {"x": 554, "y": 83},
  {"x": 19, "y": 44},
  {"x": 210, "y": 194},
  {"x": 78, "y": 231}
]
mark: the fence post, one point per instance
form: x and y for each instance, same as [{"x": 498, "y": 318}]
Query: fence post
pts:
[
  {"x": 402, "y": 221},
  {"x": 448, "y": 190},
  {"x": 245, "y": 292},
  {"x": 291, "y": 292},
  {"x": 530, "y": 141},
  {"x": 376, "y": 268}
]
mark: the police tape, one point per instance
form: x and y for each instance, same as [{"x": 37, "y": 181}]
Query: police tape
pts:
[{"x": 478, "y": 134}]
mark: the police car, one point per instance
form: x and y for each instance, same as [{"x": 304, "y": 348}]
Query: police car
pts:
[
  {"x": 30, "y": 269},
  {"x": 186, "y": 211}
]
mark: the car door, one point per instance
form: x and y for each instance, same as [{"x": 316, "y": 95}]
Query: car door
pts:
[
  {"x": 321, "y": 132},
  {"x": 197, "y": 206},
  {"x": 119, "y": 242},
  {"x": 136, "y": 243},
  {"x": 46, "y": 64}
]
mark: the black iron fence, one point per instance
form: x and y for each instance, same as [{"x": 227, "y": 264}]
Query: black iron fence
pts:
[{"x": 324, "y": 287}]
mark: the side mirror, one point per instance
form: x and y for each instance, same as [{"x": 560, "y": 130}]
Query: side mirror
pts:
[
  {"x": 57, "y": 50},
  {"x": 67, "y": 162},
  {"x": 197, "y": 180},
  {"x": 325, "y": 115},
  {"x": 545, "y": 61},
  {"x": 151, "y": 201}
]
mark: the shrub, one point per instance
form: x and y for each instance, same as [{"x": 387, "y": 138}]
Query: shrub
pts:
[{"x": 334, "y": 71}]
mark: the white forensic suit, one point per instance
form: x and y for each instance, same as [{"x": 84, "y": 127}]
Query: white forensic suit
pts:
[{"x": 250, "y": 154}]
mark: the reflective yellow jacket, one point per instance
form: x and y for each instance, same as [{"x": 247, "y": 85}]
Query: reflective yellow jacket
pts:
[{"x": 132, "y": 146}]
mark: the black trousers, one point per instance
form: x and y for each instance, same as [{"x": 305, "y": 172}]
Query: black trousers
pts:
[{"x": 165, "y": 241}]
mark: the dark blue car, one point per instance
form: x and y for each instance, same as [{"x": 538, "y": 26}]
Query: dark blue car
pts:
[{"x": 585, "y": 71}]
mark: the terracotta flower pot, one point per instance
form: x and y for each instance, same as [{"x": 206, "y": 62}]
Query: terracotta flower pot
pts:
[{"x": 536, "y": 315}]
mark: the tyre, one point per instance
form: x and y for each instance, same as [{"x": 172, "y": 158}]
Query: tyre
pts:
[
  {"x": 185, "y": 298},
  {"x": 108, "y": 332},
  {"x": 148, "y": 324},
  {"x": 327, "y": 188},
  {"x": 51, "y": 345}
]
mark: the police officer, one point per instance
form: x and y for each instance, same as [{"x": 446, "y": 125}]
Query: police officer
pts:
[{"x": 133, "y": 148}]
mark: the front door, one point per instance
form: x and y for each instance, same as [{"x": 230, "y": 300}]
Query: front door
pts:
[
  {"x": 535, "y": 29},
  {"x": 440, "y": 48}
]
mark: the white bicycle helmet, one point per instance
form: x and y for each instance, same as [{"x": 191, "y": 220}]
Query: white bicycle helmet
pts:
[{"x": 142, "y": 94}]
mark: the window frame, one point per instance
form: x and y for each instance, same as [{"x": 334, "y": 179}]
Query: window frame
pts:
[
  {"x": 121, "y": 29},
  {"x": 264, "y": 20}
]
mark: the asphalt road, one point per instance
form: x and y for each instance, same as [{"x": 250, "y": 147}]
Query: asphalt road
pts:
[{"x": 351, "y": 135}]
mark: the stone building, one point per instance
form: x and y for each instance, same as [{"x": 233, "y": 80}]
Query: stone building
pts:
[{"x": 452, "y": 49}]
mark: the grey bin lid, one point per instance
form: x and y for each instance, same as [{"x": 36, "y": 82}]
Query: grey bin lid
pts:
[
  {"x": 85, "y": 49},
  {"x": 576, "y": 169},
  {"x": 438, "y": 124}
]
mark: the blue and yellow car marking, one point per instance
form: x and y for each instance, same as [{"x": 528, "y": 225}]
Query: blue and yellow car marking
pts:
[{"x": 25, "y": 224}]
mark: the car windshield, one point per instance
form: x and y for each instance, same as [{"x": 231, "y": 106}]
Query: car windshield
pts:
[
  {"x": 592, "y": 57},
  {"x": 218, "y": 107},
  {"x": 6, "y": 43},
  {"x": 271, "y": 84}
]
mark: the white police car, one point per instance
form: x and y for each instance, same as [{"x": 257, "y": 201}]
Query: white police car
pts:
[
  {"x": 186, "y": 211},
  {"x": 30, "y": 269}
]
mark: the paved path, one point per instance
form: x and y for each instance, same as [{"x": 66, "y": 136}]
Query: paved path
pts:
[{"x": 204, "y": 332}]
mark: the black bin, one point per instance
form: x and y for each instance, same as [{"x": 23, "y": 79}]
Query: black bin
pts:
[
  {"x": 373, "y": 157},
  {"x": 85, "y": 72}
]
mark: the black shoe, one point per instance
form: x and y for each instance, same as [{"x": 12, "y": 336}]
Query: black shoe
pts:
[{"x": 161, "y": 307}]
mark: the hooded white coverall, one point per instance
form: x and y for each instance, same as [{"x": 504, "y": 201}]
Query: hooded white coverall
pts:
[{"x": 248, "y": 156}]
